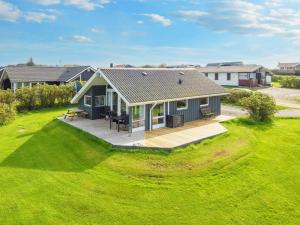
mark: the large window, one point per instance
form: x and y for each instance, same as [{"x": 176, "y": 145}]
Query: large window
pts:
[
  {"x": 182, "y": 105},
  {"x": 87, "y": 100},
  {"x": 203, "y": 102},
  {"x": 100, "y": 100},
  {"x": 138, "y": 117},
  {"x": 216, "y": 76},
  {"x": 123, "y": 107}
]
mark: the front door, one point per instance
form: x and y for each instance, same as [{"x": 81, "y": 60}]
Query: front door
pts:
[{"x": 159, "y": 116}]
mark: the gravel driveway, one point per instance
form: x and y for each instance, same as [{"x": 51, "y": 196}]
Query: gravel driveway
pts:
[{"x": 284, "y": 96}]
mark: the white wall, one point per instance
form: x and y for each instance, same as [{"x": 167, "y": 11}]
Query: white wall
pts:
[{"x": 234, "y": 81}]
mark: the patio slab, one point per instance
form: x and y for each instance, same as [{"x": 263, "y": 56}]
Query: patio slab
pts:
[{"x": 163, "y": 138}]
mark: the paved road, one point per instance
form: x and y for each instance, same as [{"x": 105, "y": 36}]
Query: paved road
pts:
[
  {"x": 234, "y": 111},
  {"x": 284, "y": 96},
  {"x": 288, "y": 113}
]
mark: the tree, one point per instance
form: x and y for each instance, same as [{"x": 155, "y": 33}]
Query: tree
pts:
[{"x": 261, "y": 107}]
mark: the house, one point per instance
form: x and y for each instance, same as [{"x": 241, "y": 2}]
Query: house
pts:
[
  {"x": 149, "y": 95},
  {"x": 289, "y": 66},
  {"x": 226, "y": 64},
  {"x": 244, "y": 75},
  {"x": 13, "y": 77}
]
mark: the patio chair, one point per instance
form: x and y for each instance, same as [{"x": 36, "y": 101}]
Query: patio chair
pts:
[
  {"x": 105, "y": 112},
  {"x": 124, "y": 122}
]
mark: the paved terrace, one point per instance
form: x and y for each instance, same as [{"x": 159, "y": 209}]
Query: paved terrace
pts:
[{"x": 165, "y": 138}]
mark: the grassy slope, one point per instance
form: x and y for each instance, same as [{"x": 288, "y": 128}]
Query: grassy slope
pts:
[{"x": 51, "y": 173}]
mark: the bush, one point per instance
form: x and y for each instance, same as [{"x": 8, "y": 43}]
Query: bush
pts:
[
  {"x": 290, "y": 82},
  {"x": 236, "y": 95},
  {"x": 7, "y": 113},
  {"x": 261, "y": 107},
  {"x": 42, "y": 96},
  {"x": 7, "y": 96}
]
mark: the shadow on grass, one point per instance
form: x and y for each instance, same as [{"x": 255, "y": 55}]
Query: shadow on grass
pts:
[
  {"x": 57, "y": 147},
  {"x": 266, "y": 125}
]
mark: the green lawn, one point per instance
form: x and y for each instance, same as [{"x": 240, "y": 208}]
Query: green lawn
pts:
[
  {"x": 51, "y": 173},
  {"x": 276, "y": 84}
]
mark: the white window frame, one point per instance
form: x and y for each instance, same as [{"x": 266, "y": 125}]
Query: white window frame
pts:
[
  {"x": 159, "y": 117},
  {"x": 183, "y": 108},
  {"x": 84, "y": 100},
  {"x": 207, "y": 104},
  {"x": 104, "y": 100}
]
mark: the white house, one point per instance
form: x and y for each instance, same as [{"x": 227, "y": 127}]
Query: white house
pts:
[{"x": 243, "y": 75}]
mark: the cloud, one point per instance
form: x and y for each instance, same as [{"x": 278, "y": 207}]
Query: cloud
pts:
[
  {"x": 82, "y": 4},
  {"x": 159, "y": 19},
  {"x": 39, "y": 17},
  {"x": 76, "y": 38},
  {"x": 270, "y": 18},
  {"x": 96, "y": 30},
  {"x": 9, "y": 12},
  {"x": 140, "y": 22}
]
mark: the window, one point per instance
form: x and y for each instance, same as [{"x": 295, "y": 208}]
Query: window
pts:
[
  {"x": 206, "y": 74},
  {"x": 203, "y": 102},
  {"x": 216, "y": 76},
  {"x": 19, "y": 85},
  {"x": 182, "y": 105},
  {"x": 138, "y": 117},
  {"x": 228, "y": 76},
  {"x": 26, "y": 84},
  {"x": 87, "y": 100},
  {"x": 158, "y": 115},
  {"x": 100, "y": 100}
]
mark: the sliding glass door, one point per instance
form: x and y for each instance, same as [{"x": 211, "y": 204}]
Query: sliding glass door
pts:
[{"x": 158, "y": 116}]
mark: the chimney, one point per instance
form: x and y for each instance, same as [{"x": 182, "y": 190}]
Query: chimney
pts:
[{"x": 111, "y": 65}]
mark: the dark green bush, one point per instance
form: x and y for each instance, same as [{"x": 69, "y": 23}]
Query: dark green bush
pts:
[
  {"x": 261, "y": 107},
  {"x": 7, "y": 113},
  {"x": 235, "y": 96}
]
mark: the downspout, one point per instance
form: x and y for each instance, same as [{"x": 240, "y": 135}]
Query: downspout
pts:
[{"x": 150, "y": 127}]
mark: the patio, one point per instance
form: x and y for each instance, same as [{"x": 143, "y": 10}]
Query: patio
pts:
[{"x": 164, "y": 138}]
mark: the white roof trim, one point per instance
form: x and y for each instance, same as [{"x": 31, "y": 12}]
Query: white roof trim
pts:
[
  {"x": 74, "y": 77},
  {"x": 89, "y": 84}
]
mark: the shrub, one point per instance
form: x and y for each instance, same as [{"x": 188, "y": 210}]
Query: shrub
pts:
[
  {"x": 26, "y": 98},
  {"x": 7, "y": 96},
  {"x": 7, "y": 113},
  {"x": 290, "y": 82},
  {"x": 261, "y": 107},
  {"x": 236, "y": 95}
]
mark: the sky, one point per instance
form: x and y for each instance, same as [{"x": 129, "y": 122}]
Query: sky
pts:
[{"x": 138, "y": 32}]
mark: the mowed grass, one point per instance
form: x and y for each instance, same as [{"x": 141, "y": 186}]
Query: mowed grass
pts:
[{"x": 51, "y": 173}]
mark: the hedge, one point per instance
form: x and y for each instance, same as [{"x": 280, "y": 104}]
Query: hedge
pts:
[
  {"x": 40, "y": 96},
  {"x": 290, "y": 82}
]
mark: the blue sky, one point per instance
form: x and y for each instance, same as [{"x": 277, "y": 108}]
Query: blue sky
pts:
[{"x": 97, "y": 32}]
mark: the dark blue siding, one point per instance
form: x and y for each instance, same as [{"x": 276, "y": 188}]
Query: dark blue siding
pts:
[{"x": 94, "y": 112}]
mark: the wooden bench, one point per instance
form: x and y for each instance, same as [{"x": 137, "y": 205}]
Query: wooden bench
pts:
[{"x": 206, "y": 112}]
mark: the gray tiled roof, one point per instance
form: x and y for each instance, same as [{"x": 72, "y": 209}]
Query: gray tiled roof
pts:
[
  {"x": 42, "y": 73},
  {"x": 161, "y": 84},
  {"x": 230, "y": 69}
]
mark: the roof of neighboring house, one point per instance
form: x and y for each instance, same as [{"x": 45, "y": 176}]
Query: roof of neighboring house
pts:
[
  {"x": 230, "y": 69},
  {"x": 154, "y": 85},
  {"x": 288, "y": 64},
  {"x": 43, "y": 73}
]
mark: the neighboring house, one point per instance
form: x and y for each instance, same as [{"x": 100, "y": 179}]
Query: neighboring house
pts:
[
  {"x": 244, "y": 75},
  {"x": 226, "y": 64},
  {"x": 289, "y": 66},
  {"x": 183, "y": 66},
  {"x": 149, "y": 95},
  {"x": 13, "y": 77}
]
